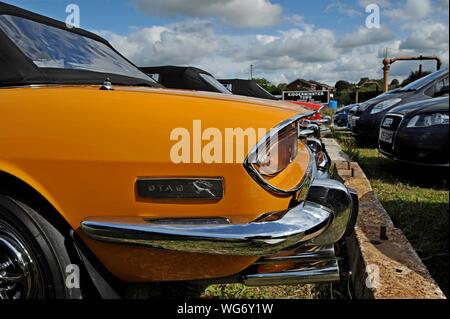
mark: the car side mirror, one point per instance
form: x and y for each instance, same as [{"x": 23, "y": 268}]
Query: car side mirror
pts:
[{"x": 442, "y": 92}]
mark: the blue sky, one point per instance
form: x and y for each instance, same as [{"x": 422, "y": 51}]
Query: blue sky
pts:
[
  {"x": 324, "y": 40},
  {"x": 119, "y": 15}
]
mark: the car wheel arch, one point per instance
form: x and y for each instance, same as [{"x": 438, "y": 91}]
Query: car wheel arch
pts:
[{"x": 20, "y": 189}]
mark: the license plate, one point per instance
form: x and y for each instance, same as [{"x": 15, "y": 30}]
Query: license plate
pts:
[
  {"x": 353, "y": 120},
  {"x": 386, "y": 136}
]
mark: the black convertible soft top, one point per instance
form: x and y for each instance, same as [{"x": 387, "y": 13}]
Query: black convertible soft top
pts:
[
  {"x": 247, "y": 88},
  {"x": 184, "y": 78},
  {"x": 17, "y": 69}
]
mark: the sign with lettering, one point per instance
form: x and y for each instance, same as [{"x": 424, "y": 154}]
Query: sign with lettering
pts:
[{"x": 319, "y": 97}]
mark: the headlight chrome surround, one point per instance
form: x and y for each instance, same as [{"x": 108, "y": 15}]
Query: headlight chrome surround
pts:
[
  {"x": 427, "y": 120},
  {"x": 251, "y": 163},
  {"x": 384, "y": 105}
]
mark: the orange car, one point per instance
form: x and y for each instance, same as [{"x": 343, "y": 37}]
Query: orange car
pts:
[{"x": 107, "y": 179}]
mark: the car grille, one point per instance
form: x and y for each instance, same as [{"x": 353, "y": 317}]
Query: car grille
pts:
[{"x": 390, "y": 122}]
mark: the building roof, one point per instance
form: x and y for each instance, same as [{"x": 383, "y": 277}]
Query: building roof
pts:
[
  {"x": 321, "y": 84},
  {"x": 311, "y": 83},
  {"x": 301, "y": 80}
]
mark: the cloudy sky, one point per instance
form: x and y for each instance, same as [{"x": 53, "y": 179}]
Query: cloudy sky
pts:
[{"x": 323, "y": 40}]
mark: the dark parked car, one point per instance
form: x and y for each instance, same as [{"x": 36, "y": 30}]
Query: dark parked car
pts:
[
  {"x": 341, "y": 116},
  {"x": 366, "y": 119},
  {"x": 247, "y": 88},
  {"x": 185, "y": 78},
  {"x": 417, "y": 133}
]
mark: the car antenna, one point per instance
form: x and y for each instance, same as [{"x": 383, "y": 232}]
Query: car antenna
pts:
[{"x": 107, "y": 85}]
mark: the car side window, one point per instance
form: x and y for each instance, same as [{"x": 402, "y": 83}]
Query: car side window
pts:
[
  {"x": 442, "y": 83},
  {"x": 437, "y": 87}
]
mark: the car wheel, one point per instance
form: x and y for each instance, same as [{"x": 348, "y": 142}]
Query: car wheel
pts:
[{"x": 33, "y": 258}]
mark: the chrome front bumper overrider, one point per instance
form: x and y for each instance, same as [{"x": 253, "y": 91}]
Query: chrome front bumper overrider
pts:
[{"x": 323, "y": 218}]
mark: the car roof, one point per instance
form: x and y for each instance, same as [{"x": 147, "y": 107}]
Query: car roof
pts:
[
  {"x": 247, "y": 88},
  {"x": 17, "y": 69},
  {"x": 181, "y": 77}
]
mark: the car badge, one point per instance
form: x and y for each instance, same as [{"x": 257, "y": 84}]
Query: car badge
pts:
[
  {"x": 388, "y": 122},
  {"x": 181, "y": 188}
]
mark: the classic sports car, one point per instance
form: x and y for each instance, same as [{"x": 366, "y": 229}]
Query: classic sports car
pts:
[
  {"x": 366, "y": 118},
  {"x": 108, "y": 180},
  {"x": 185, "y": 78},
  {"x": 417, "y": 133},
  {"x": 247, "y": 88}
]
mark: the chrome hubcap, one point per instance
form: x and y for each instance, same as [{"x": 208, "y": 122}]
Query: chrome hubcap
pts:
[{"x": 19, "y": 274}]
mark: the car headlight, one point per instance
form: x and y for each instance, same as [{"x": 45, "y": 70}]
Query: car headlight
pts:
[
  {"x": 278, "y": 152},
  {"x": 384, "y": 105},
  {"x": 426, "y": 120}
]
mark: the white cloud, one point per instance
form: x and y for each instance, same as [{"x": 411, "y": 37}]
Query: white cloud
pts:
[
  {"x": 365, "y": 36},
  {"x": 344, "y": 9},
  {"x": 181, "y": 43},
  {"x": 443, "y": 5},
  {"x": 428, "y": 36},
  {"x": 381, "y": 3},
  {"x": 411, "y": 10},
  {"x": 238, "y": 13},
  {"x": 304, "y": 50},
  {"x": 295, "y": 19},
  {"x": 302, "y": 45}
]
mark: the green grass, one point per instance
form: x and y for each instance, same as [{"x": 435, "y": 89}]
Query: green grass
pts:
[
  {"x": 236, "y": 291},
  {"x": 416, "y": 198}
]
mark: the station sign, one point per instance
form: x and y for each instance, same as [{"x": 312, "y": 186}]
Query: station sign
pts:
[{"x": 319, "y": 97}]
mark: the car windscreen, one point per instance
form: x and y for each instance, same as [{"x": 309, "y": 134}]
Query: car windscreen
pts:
[
  {"x": 216, "y": 84},
  {"x": 51, "y": 47},
  {"x": 420, "y": 83}
]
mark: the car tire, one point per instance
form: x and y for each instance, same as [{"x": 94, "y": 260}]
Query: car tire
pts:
[{"x": 33, "y": 257}]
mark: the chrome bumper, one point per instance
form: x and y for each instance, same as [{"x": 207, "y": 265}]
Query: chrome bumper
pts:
[
  {"x": 322, "y": 219},
  {"x": 307, "y": 265}
]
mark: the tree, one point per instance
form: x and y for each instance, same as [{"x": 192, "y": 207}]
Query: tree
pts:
[
  {"x": 363, "y": 80},
  {"x": 414, "y": 76},
  {"x": 279, "y": 89},
  {"x": 264, "y": 83},
  {"x": 395, "y": 83},
  {"x": 342, "y": 85}
]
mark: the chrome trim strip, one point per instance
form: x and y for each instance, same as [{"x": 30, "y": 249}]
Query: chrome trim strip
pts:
[
  {"x": 254, "y": 173},
  {"x": 301, "y": 255},
  {"x": 337, "y": 197},
  {"x": 319, "y": 272},
  {"x": 321, "y": 219},
  {"x": 299, "y": 225}
]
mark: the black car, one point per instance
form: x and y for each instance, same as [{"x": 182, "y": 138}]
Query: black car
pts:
[
  {"x": 185, "y": 78},
  {"x": 417, "y": 133},
  {"x": 340, "y": 118},
  {"x": 247, "y": 88},
  {"x": 366, "y": 119}
]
